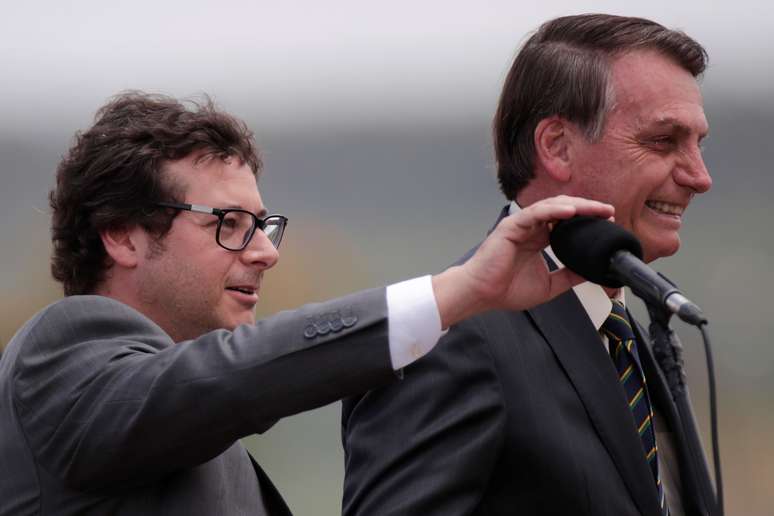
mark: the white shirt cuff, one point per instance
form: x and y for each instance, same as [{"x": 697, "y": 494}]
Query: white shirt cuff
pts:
[{"x": 414, "y": 322}]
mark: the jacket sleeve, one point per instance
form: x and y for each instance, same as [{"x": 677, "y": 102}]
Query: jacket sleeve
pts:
[
  {"x": 426, "y": 445},
  {"x": 105, "y": 398}
]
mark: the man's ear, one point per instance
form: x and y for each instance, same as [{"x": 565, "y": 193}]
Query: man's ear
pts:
[
  {"x": 553, "y": 147},
  {"x": 120, "y": 244}
]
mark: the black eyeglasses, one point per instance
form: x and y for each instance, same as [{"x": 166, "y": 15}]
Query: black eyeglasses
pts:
[{"x": 236, "y": 227}]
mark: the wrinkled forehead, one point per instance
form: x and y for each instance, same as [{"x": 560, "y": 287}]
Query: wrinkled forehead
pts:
[{"x": 650, "y": 89}]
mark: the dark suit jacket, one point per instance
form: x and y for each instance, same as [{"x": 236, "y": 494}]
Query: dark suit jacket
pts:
[
  {"x": 101, "y": 413},
  {"x": 511, "y": 413}
]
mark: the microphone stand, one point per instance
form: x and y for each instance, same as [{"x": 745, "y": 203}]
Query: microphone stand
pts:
[{"x": 668, "y": 352}]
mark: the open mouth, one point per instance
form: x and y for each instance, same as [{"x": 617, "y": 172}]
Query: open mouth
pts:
[
  {"x": 244, "y": 290},
  {"x": 665, "y": 208}
]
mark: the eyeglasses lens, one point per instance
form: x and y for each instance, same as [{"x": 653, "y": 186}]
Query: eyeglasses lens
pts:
[
  {"x": 274, "y": 229},
  {"x": 236, "y": 229}
]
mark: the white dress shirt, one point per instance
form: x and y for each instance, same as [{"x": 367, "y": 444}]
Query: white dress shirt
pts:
[{"x": 414, "y": 325}]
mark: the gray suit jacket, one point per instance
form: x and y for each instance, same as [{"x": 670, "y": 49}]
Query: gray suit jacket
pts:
[
  {"x": 511, "y": 413},
  {"x": 101, "y": 413}
]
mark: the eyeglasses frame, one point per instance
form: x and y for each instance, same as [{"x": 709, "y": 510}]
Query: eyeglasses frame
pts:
[{"x": 259, "y": 222}]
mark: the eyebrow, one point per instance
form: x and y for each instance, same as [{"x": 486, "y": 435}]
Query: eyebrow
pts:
[{"x": 675, "y": 124}]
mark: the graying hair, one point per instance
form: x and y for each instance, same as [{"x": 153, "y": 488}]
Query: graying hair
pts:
[{"x": 563, "y": 69}]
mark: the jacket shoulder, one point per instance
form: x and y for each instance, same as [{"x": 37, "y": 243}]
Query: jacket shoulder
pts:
[{"x": 76, "y": 322}]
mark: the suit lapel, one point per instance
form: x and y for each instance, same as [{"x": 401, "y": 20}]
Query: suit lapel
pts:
[{"x": 575, "y": 342}]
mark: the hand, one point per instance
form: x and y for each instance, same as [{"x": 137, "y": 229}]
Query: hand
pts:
[{"x": 508, "y": 270}]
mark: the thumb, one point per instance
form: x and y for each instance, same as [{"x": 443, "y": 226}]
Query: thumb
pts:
[{"x": 561, "y": 281}]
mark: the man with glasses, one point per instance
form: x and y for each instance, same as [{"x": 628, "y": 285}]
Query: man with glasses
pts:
[{"x": 128, "y": 396}]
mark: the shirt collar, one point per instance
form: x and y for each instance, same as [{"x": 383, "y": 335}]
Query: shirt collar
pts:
[{"x": 592, "y": 297}]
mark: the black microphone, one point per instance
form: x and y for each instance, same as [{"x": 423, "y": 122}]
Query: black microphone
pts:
[{"x": 607, "y": 254}]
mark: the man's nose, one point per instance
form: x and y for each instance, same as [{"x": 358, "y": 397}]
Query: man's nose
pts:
[
  {"x": 692, "y": 172},
  {"x": 260, "y": 251}
]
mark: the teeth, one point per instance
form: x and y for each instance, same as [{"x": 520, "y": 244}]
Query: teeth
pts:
[{"x": 671, "y": 209}]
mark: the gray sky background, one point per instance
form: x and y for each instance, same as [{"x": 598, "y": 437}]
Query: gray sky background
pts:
[
  {"x": 374, "y": 121},
  {"x": 303, "y": 64}
]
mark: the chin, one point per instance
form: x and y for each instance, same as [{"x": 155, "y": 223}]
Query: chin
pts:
[
  {"x": 240, "y": 320},
  {"x": 660, "y": 249}
]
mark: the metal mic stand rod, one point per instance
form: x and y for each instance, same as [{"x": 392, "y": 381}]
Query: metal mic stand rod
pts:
[{"x": 668, "y": 351}]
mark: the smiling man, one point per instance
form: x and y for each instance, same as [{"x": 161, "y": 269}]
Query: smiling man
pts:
[
  {"x": 647, "y": 161},
  {"x": 558, "y": 409},
  {"x": 129, "y": 396}
]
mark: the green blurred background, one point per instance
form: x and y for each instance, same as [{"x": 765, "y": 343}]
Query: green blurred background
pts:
[{"x": 374, "y": 120}]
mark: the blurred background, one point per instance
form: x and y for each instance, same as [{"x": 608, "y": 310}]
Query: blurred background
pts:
[{"x": 374, "y": 119}]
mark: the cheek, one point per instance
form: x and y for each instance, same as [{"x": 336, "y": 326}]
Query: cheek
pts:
[
  {"x": 631, "y": 206},
  {"x": 216, "y": 274},
  {"x": 202, "y": 273},
  {"x": 600, "y": 178}
]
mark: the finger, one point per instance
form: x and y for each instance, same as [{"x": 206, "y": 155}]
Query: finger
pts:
[
  {"x": 549, "y": 212},
  {"x": 524, "y": 226},
  {"x": 580, "y": 202},
  {"x": 541, "y": 214},
  {"x": 537, "y": 218},
  {"x": 580, "y": 206}
]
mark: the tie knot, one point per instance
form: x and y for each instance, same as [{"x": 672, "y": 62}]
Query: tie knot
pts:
[{"x": 617, "y": 325}]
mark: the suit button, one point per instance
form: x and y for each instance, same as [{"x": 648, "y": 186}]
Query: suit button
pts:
[
  {"x": 310, "y": 332},
  {"x": 348, "y": 319},
  {"x": 322, "y": 328},
  {"x": 336, "y": 324}
]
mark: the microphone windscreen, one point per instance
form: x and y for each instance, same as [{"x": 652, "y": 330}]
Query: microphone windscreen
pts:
[{"x": 585, "y": 245}]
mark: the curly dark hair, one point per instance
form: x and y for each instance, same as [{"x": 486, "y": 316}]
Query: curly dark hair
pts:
[
  {"x": 113, "y": 174},
  {"x": 563, "y": 69}
]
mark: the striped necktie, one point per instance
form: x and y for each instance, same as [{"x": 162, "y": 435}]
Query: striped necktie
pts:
[{"x": 623, "y": 351}]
